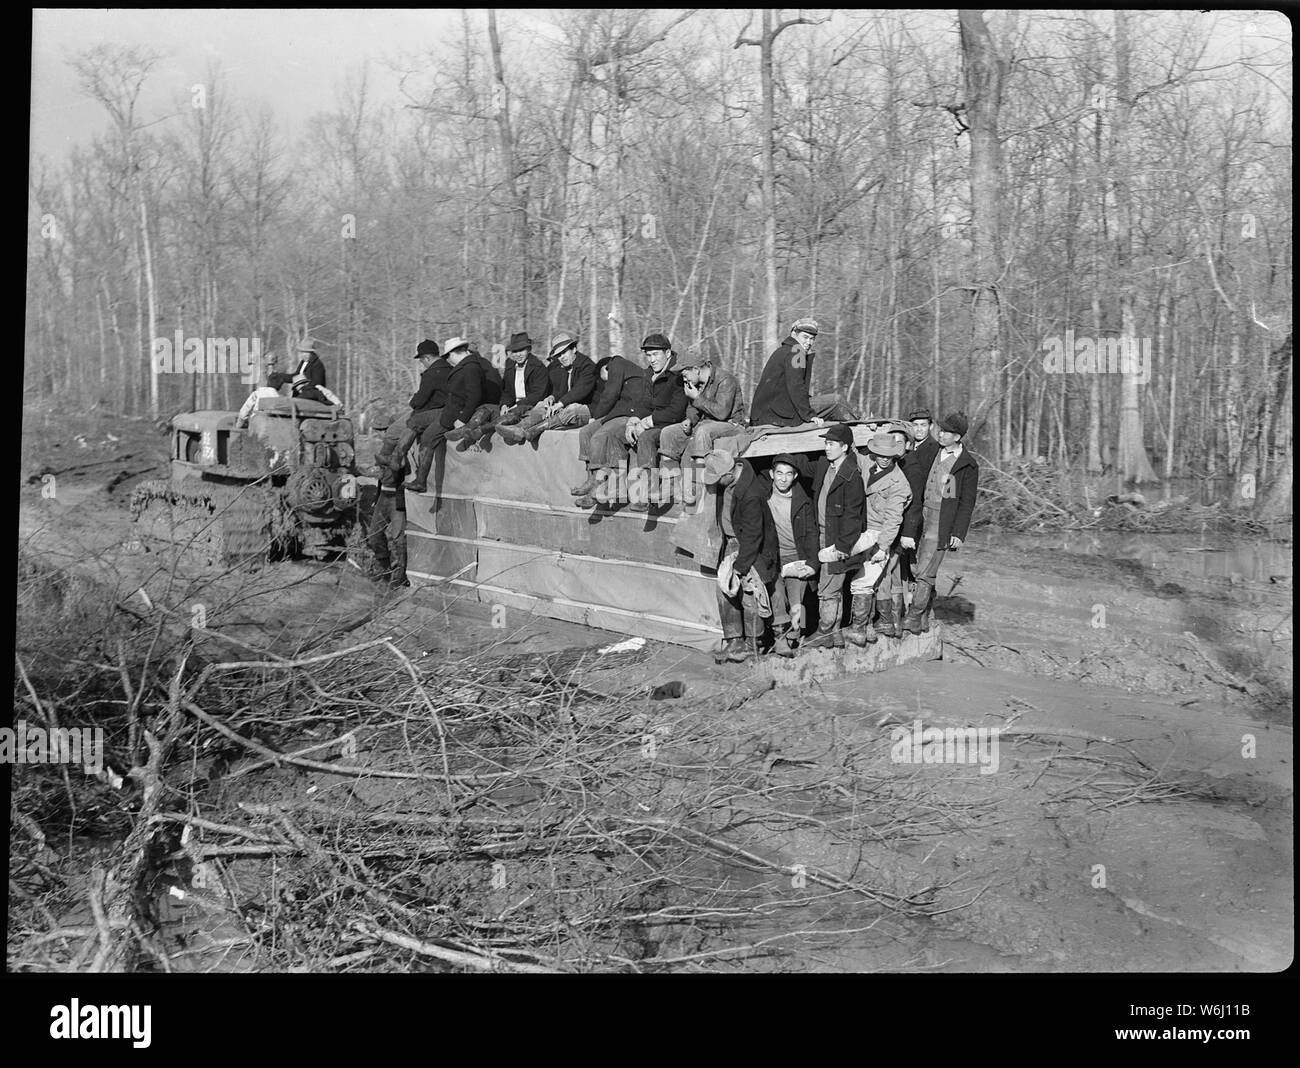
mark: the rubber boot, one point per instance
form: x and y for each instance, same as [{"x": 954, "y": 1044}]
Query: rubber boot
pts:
[
  {"x": 782, "y": 646},
  {"x": 394, "y": 457},
  {"x": 891, "y": 618},
  {"x": 420, "y": 484},
  {"x": 920, "y": 601},
  {"x": 640, "y": 491},
  {"x": 397, "y": 578},
  {"x": 861, "y": 631},
  {"x": 753, "y": 631},
  {"x": 829, "y": 635},
  {"x": 925, "y": 612},
  {"x": 731, "y": 651}
]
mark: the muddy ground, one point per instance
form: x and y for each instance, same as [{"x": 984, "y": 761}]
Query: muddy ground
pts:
[{"x": 1078, "y": 872}]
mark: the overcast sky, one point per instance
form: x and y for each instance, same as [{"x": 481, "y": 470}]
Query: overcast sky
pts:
[{"x": 291, "y": 59}]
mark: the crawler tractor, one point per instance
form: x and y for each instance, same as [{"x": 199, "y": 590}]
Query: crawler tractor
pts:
[{"x": 284, "y": 485}]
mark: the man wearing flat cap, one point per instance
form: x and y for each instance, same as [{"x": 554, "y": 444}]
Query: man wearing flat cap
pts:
[
  {"x": 715, "y": 408},
  {"x": 916, "y": 466},
  {"x": 949, "y": 501},
  {"x": 887, "y": 493},
  {"x": 572, "y": 389},
  {"x": 665, "y": 407},
  {"x": 523, "y": 385},
  {"x": 781, "y": 397},
  {"x": 839, "y": 496}
]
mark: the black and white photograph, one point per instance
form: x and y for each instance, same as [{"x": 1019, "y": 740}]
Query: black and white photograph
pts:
[{"x": 715, "y": 492}]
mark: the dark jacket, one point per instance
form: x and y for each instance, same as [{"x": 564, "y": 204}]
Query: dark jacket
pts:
[
  {"x": 666, "y": 395},
  {"x": 491, "y": 390},
  {"x": 959, "y": 491},
  {"x": 433, "y": 386},
  {"x": 803, "y": 522},
  {"x": 537, "y": 381},
  {"x": 464, "y": 391},
  {"x": 313, "y": 368},
  {"x": 846, "y": 507},
  {"x": 916, "y": 466},
  {"x": 720, "y": 399},
  {"x": 623, "y": 392},
  {"x": 752, "y": 520},
  {"x": 576, "y": 384},
  {"x": 781, "y": 396}
]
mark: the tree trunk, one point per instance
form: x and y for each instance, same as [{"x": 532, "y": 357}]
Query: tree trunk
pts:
[{"x": 985, "y": 72}]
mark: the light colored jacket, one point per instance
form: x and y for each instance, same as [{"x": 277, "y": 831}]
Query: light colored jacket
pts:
[{"x": 887, "y": 499}]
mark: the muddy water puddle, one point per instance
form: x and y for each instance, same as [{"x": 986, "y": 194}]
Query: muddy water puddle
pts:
[{"x": 1198, "y": 558}]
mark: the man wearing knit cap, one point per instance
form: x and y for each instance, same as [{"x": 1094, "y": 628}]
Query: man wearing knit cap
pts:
[
  {"x": 781, "y": 397},
  {"x": 715, "y": 408},
  {"x": 949, "y": 500}
]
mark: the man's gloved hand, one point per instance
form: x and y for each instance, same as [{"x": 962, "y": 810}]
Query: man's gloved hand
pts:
[
  {"x": 797, "y": 569},
  {"x": 830, "y": 555},
  {"x": 954, "y": 543},
  {"x": 907, "y": 543},
  {"x": 879, "y": 555}
]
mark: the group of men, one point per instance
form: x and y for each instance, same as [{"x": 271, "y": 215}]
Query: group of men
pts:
[{"x": 879, "y": 522}]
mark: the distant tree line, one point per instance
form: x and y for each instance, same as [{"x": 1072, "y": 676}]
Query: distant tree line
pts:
[{"x": 949, "y": 193}]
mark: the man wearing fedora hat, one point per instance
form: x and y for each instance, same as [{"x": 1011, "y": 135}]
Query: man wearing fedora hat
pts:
[
  {"x": 426, "y": 405},
  {"x": 840, "y": 498},
  {"x": 887, "y": 494},
  {"x": 948, "y": 503},
  {"x": 464, "y": 395},
  {"x": 573, "y": 384},
  {"x": 715, "y": 408},
  {"x": 782, "y": 396},
  {"x": 749, "y": 554},
  {"x": 309, "y": 362},
  {"x": 524, "y": 384}
]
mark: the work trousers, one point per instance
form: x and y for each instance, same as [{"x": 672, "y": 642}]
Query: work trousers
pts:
[{"x": 674, "y": 440}]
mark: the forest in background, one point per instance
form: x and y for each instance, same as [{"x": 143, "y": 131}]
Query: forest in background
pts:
[{"x": 945, "y": 191}]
